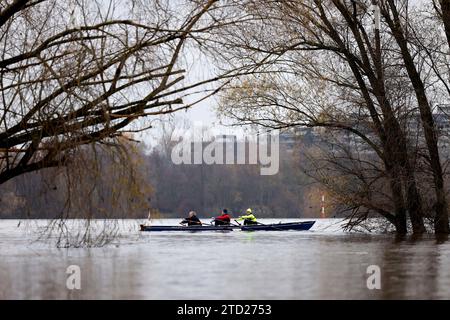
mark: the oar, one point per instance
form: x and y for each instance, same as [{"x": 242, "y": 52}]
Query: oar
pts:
[
  {"x": 197, "y": 224},
  {"x": 224, "y": 225},
  {"x": 209, "y": 224},
  {"x": 235, "y": 225}
]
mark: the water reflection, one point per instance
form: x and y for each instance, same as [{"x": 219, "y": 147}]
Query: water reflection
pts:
[{"x": 235, "y": 265}]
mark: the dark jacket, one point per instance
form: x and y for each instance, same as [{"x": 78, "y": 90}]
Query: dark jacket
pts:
[{"x": 192, "y": 221}]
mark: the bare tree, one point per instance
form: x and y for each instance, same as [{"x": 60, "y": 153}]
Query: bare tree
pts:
[
  {"x": 356, "y": 181},
  {"x": 82, "y": 73},
  {"x": 443, "y": 10},
  {"x": 394, "y": 19},
  {"x": 77, "y": 77},
  {"x": 340, "y": 70}
]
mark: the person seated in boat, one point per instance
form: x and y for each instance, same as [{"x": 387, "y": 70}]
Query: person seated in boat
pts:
[
  {"x": 192, "y": 219},
  {"x": 223, "y": 219},
  {"x": 249, "y": 218}
]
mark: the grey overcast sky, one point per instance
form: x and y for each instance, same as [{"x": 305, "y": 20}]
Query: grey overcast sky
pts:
[{"x": 197, "y": 66}]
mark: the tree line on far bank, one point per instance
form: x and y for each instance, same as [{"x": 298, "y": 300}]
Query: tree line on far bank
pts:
[{"x": 138, "y": 180}]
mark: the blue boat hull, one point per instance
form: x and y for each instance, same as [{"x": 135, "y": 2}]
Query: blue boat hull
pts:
[
  {"x": 187, "y": 228},
  {"x": 299, "y": 226}
]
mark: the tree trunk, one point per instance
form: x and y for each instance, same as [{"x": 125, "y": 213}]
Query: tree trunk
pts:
[
  {"x": 399, "y": 205},
  {"x": 441, "y": 224},
  {"x": 396, "y": 143},
  {"x": 402, "y": 172},
  {"x": 414, "y": 204},
  {"x": 445, "y": 7}
]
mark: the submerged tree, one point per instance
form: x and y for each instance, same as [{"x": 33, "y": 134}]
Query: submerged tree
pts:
[{"x": 332, "y": 66}]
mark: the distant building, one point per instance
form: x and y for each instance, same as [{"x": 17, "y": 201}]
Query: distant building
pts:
[{"x": 321, "y": 136}]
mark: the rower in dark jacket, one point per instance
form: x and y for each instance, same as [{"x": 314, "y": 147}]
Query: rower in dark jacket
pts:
[
  {"x": 223, "y": 219},
  {"x": 192, "y": 220}
]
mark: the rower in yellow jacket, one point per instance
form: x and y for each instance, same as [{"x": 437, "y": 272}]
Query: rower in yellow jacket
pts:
[{"x": 249, "y": 218}]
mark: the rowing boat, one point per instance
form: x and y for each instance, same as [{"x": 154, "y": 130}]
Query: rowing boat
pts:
[
  {"x": 299, "y": 226},
  {"x": 186, "y": 228}
]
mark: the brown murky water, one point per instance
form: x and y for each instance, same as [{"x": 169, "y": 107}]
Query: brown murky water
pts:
[{"x": 324, "y": 263}]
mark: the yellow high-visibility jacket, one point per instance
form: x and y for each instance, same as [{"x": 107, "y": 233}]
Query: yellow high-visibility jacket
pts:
[{"x": 250, "y": 217}]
